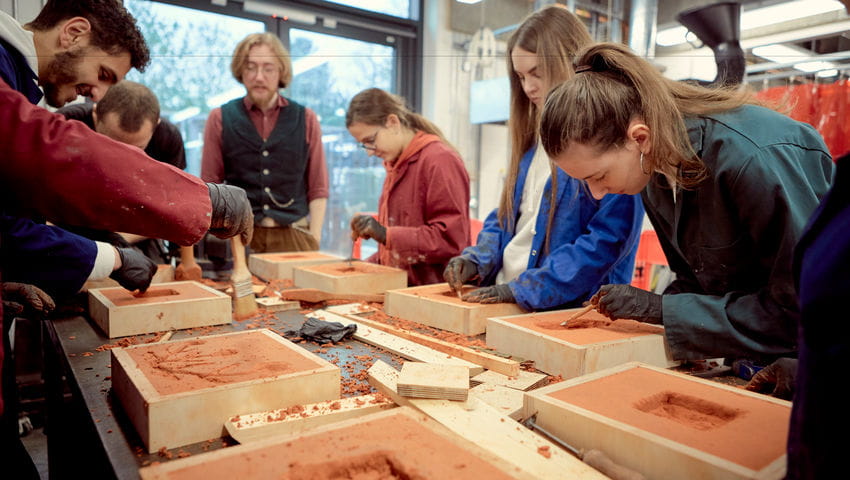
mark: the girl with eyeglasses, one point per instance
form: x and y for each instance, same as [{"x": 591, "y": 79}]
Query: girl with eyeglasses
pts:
[
  {"x": 727, "y": 184},
  {"x": 423, "y": 210},
  {"x": 548, "y": 244}
]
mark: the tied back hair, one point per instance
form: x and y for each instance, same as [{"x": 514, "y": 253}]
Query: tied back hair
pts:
[
  {"x": 596, "y": 107},
  {"x": 373, "y": 105},
  {"x": 553, "y": 34}
]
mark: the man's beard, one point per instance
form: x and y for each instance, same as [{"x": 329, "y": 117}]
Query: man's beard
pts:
[
  {"x": 264, "y": 101},
  {"x": 60, "y": 72}
]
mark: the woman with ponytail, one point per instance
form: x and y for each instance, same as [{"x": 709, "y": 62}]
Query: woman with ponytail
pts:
[
  {"x": 727, "y": 184},
  {"x": 549, "y": 244},
  {"x": 423, "y": 210}
]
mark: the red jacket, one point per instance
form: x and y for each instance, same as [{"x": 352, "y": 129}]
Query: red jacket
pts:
[
  {"x": 66, "y": 172},
  {"x": 425, "y": 206}
]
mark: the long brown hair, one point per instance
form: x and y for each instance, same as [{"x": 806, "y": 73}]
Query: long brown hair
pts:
[
  {"x": 613, "y": 87},
  {"x": 373, "y": 105},
  {"x": 554, "y": 34}
]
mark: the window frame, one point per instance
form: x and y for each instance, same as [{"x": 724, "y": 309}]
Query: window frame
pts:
[{"x": 349, "y": 22}]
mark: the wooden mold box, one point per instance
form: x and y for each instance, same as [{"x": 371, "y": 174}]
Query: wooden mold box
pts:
[
  {"x": 270, "y": 266},
  {"x": 437, "y": 306},
  {"x": 165, "y": 306},
  {"x": 183, "y": 391},
  {"x": 668, "y": 425},
  {"x": 342, "y": 278},
  {"x": 397, "y": 443},
  {"x": 587, "y": 344}
]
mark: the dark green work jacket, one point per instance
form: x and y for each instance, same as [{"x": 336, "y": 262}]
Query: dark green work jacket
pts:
[{"x": 730, "y": 240}]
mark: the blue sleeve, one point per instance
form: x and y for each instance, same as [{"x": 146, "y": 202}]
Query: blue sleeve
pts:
[
  {"x": 487, "y": 251},
  {"x": 55, "y": 260},
  {"x": 599, "y": 249}
]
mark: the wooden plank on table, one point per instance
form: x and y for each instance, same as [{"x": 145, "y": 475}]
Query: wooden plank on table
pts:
[
  {"x": 173, "y": 418},
  {"x": 667, "y": 425},
  {"x": 488, "y": 428},
  {"x": 508, "y": 401},
  {"x": 431, "y": 380},
  {"x": 282, "y": 421},
  {"x": 489, "y": 361},
  {"x": 522, "y": 381},
  {"x": 437, "y": 306},
  {"x": 352, "y": 308},
  {"x": 274, "y": 304},
  {"x": 399, "y": 346},
  {"x": 597, "y": 344}
]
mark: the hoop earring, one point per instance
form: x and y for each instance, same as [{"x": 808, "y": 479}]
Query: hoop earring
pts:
[{"x": 641, "y": 165}]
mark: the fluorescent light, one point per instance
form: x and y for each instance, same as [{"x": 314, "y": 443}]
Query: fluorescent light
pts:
[
  {"x": 783, "y": 54},
  {"x": 780, "y": 53},
  {"x": 827, "y": 73},
  {"x": 468, "y": 2},
  {"x": 815, "y": 66},
  {"x": 787, "y": 11},
  {"x": 750, "y": 19}
]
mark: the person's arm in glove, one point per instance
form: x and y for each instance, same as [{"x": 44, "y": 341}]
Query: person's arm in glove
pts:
[
  {"x": 626, "y": 301},
  {"x": 494, "y": 294},
  {"x": 458, "y": 271},
  {"x": 231, "y": 212},
  {"x": 367, "y": 227},
  {"x": 778, "y": 379},
  {"x": 135, "y": 271},
  {"x": 19, "y": 296}
]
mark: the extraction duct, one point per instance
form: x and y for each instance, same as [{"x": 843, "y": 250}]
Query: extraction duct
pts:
[{"x": 718, "y": 26}]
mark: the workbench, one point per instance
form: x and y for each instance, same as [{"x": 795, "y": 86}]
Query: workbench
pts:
[{"x": 87, "y": 430}]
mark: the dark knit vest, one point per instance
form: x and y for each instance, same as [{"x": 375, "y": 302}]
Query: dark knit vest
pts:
[{"x": 273, "y": 172}]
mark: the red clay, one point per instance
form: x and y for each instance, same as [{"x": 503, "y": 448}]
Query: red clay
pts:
[{"x": 746, "y": 430}]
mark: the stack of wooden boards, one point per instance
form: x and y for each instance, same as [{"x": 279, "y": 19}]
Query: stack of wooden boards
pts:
[{"x": 424, "y": 380}]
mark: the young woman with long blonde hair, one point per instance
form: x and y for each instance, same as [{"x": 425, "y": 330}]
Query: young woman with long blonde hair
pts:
[{"x": 548, "y": 244}]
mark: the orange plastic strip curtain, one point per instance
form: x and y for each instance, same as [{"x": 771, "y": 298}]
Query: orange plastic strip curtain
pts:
[{"x": 823, "y": 106}]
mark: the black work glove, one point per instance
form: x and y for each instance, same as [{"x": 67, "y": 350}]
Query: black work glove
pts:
[
  {"x": 626, "y": 301},
  {"x": 495, "y": 294},
  {"x": 136, "y": 270},
  {"x": 18, "y": 297},
  {"x": 459, "y": 271},
  {"x": 321, "y": 331},
  {"x": 367, "y": 227},
  {"x": 231, "y": 212},
  {"x": 777, "y": 379}
]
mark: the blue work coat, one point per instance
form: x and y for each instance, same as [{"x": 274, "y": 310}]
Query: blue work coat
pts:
[{"x": 592, "y": 243}]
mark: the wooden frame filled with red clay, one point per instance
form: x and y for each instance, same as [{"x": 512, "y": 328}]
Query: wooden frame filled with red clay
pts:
[
  {"x": 397, "y": 443},
  {"x": 345, "y": 278},
  {"x": 183, "y": 391},
  {"x": 438, "y": 306},
  {"x": 165, "y": 306},
  {"x": 272, "y": 266},
  {"x": 586, "y": 344},
  {"x": 667, "y": 425}
]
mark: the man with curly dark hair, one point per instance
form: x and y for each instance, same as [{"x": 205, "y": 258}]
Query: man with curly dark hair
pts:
[
  {"x": 75, "y": 47},
  {"x": 63, "y": 171}
]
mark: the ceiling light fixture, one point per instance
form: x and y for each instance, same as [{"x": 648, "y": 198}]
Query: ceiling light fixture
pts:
[{"x": 760, "y": 17}]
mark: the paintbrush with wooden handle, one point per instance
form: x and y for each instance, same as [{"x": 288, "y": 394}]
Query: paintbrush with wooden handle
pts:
[
  {"x": 579, "y": 313},
  {"x": 244, "y": 303}
]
